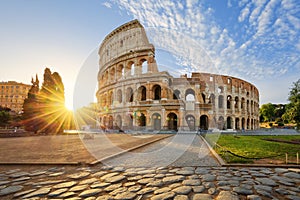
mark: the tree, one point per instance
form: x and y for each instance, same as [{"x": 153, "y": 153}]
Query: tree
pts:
[
  {"x": 31, "y": 121},
  {"x": 267, "y": 111},
  {"x": 293, "y": 108}
]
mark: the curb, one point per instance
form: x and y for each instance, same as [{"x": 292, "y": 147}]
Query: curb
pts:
[
  {"x": 127, "y": 150},
  {"x": 219, "y": 159}
]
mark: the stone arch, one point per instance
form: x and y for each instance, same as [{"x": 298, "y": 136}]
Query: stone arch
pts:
[
  {"x": 156, "y": 92},
  {"x": 142, "y": 92},
  {"x": 119, "y": 96},
  {"x": 229, "y": 122},
  {"x": 229, "y": 98},
  {"x": 221, "y": 101},
  {"x": 129, "y": 94},
  {"x": 221, "y": 123},
  {"x": 190, "y": 95},
  {"x": 176, "y": 94},
  {"x": 190, "y": 120},
  {"x": 172, "y": 121},
  {"x": 119, "y": 122},
  {"x": 204, "y": 122},
  {"x": 156, "y": 121}
]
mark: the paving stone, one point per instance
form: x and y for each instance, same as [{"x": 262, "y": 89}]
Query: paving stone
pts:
[
  {"x": 10, "y": 190},
  {"x": 163, "y": 196},
  {"x": 67, "y": 195},
  {"x": 115, "y": 179},
  {"x": 292, "y": 175},
  {"x": 88, "y": 181},
  {"x": 226, "y": 195},
  {"x": 78, "y": 188},
  {"x": 173, "y": 179},
  {"x": 253, "y": 197},
  {"x": 266, "y": 181},
  {"x": 181, "y": 197},
  {"x": 191, "y": 182},
  {"x": 263, "y": 187},
  {"x": 202, "y": 197},
  {"x": 147, "y": 190},
  {"x": 125, "y": 196},
  {"x": 112, "y": 187},
  {"x": 22, "y": 193},
  {"x": 157, "y": 183},
  {"x": 162, "y": 190},
  {"x": 208, "y": 177},
  {"x": 57, "y": 192},
  {"x": 183, "y": 190},
  {"x": 91, "y": 192},
  {"x": 39, "y": 192},
  {"x": 242, "y": 191},
  {"x": 65, "y": 185},
  {"x": 117, "y": 191},
  {"x": 185, "y": 172},
  {"x": 79, "y": 175},
  {"x": 100, "y": 185},
  {"x": 134, "y": 188}
]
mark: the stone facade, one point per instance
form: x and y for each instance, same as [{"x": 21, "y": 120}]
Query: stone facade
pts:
[
  {"x": 134, "y": 95},
  {"x": 13, "y": 94}
]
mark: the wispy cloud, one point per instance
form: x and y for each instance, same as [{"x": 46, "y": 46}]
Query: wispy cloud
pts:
[{"x": 269, "y": 45}]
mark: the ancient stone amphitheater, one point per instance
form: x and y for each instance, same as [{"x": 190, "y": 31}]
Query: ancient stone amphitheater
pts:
[{"x": 134, "y": 95}]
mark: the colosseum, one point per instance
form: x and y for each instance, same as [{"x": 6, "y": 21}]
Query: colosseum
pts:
[{"x": 134, "y": 95}]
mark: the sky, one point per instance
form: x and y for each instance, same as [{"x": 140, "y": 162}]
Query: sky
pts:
[{"x": 255, "y": 40}]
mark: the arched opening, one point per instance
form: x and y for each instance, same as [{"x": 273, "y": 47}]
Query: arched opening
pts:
[
  {"x": 237, "y": 124},
  {"x": 129, "y": 94},
  {"x": 110, "y": 122},
  {"x": 203, "y": 98},
  {"x": 156, "y": 118},
  {"x": 172, "y": 121},
  {"x": 248, "y": 124},
  {"x": 190, "y": 119},
  {"x": 119, "y": 95},
  {"x": 221, "y": 101},
  {"x": 221, "y": 124},
  {"x": 229, "y": 102},
  {"x": 142, "y": 120},
  {"x": 212, "y": 99},
  {"x": 236, "y": 103},
  {"x": 204, "y": 122},
  {"x": 190, "y": 95},
  {"x": 176, "y": 94},
  {"x": 119, "y": 122},
  {"x": 157, "y": 92},
  {"x": 243, "y": 123},
  {"x": 142, "y": 93},
  {"x": 229, "y": 123}
]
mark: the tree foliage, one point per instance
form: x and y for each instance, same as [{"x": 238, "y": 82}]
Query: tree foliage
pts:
[
  {"x": 44, "y": 109},
  {"x": 293, "y": 108}
]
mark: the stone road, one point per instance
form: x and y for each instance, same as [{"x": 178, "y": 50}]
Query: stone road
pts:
[
  {"x": 179, "y": 150},
  {"x": 102, "y": 182}
]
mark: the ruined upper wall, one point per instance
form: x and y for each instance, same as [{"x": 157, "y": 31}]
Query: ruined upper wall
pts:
[{"x": 125, "y": 40}]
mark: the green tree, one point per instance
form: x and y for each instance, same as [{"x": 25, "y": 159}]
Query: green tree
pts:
[
  {"x": 267, "y": 111},
  {"x": 31, "y": 110},
  {"x": 292, "y": 113}
]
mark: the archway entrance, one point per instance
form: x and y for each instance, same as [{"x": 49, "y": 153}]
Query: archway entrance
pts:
[
  {"x": 172, "y": 121},
  {"x": 156, "y": 121},
  {"x": 204, "y": 122},
  {"x": 190, "y": 119}
]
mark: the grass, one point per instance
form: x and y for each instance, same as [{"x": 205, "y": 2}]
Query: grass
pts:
[{"x": 254, "y": 147}]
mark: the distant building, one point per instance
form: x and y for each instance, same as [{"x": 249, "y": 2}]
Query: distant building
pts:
[{"x": 13, "y": 94}]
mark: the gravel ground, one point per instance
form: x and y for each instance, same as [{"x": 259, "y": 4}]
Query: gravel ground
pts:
[{"x": 179, "y": 150}]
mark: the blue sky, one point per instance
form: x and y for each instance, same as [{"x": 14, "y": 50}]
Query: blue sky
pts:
[{"x": 256, "y": 40}]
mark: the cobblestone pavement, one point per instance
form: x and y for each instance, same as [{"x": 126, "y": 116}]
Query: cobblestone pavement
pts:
[
  {"x": 179, "y": 150},
  {"x": 102, "y": 182}
]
